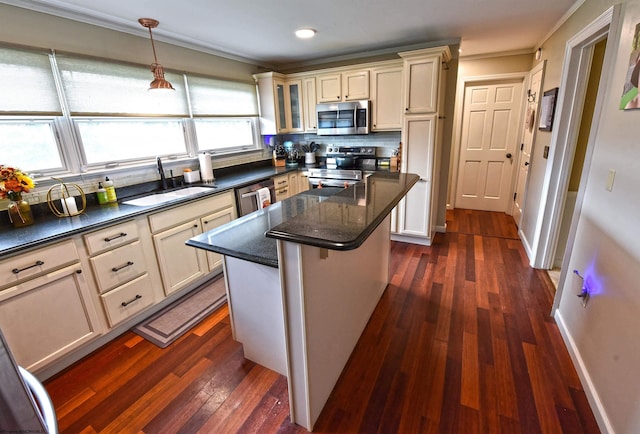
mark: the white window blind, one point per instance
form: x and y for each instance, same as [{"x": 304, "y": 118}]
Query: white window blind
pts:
[
  {"x": 27, "y": 85},
  {"x": 99, "y": 87},
  {"x": 211, "y": 97}
]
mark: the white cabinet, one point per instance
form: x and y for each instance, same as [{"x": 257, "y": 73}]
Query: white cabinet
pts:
[
  {"x": 309, "y": 103},
  {"x": 48, "y": 311},
  {"x": 211, "y": 221},
  {"x": 386, "y": 96},
  {"x": 415, "y": 210},
  {"x": 281, "y": 185},
  {"x": 281, "y": 105},
  {"x": 181, "y": 265},
  {"x": 345, "y": 86},
  {"x": 120, "y": 269},
  {"x": 303, "y": 182},
  {"x": 422, "y": 82}
]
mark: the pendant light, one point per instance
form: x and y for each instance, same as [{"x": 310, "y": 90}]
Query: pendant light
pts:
[{"x": 159, "y": 81}]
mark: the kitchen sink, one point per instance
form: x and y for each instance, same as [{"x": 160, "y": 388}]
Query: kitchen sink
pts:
[{"x": 168, "y": 196}]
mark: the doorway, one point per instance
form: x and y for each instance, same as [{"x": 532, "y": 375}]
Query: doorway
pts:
[{"x": 487, "y": 153}]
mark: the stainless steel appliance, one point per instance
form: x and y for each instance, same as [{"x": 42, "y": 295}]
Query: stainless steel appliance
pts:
[
  {"x": 25, "y": 405},
  {"x": 319, "y": 178},
  {"x": 353, "y": 117},
  {"x": 247, "y": 197},
  {"x": 353, "y": 157}
]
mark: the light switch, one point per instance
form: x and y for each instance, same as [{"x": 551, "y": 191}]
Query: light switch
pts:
[{"x": 610, "y": 179}]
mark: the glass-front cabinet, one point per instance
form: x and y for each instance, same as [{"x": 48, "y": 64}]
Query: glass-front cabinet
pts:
[{"x": 281, "y": 104}]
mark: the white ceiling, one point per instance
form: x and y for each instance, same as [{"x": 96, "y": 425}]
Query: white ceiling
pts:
[{"x": 261, "y": 31}]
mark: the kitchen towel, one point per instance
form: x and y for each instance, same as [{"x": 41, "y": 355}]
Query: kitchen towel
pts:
[
  {"x": 206, "y": 167},
  {"x": 263, "y": 196}
]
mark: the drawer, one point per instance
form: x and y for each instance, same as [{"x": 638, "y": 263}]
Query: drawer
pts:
[
  {"x": 113, "y": 236},
  {"x": 189, "y": 211},
  {"x": 36, "y": 262},
  {"x": 118, "y": 266},
  {"x": 128, "y": 299},
  {"x": 280, "y": 181}
]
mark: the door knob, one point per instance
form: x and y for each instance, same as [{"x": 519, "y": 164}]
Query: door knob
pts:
[{"x": 509, "y": 155}]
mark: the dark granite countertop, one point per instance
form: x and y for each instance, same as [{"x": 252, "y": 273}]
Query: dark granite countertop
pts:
[
  {"x": 48, "y": 228},
  {"x": 332, "y": 218}
]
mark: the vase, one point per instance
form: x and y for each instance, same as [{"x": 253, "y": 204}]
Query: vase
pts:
[{"x": 20, "y": 213}]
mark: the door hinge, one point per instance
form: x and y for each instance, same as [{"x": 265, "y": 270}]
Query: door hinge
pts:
[
  {"x": 521, "y": 146},
  {"x": 514, "y": 196}
]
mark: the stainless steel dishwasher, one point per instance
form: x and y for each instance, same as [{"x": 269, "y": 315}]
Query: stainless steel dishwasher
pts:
[{"x": 247, "y": 197}]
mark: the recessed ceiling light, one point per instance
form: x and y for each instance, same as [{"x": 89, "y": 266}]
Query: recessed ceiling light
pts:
[{"x": 305, "y": 33}]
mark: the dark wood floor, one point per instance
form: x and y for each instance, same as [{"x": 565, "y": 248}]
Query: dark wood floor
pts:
[{"x": 461, "y": 342}]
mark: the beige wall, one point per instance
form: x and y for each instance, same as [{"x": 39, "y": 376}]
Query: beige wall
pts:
[
  {"x": 482, "y": 66},
  {"x": 24, "y": 27},
  {"x": 603, "y": 336}
]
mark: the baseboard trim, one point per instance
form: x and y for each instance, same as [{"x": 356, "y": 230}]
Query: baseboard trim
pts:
[
  {"x": 592, "y": 394},
  {"x": 411, "y": 240}
]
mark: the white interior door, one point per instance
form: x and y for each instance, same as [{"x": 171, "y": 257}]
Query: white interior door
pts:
[
  {"x": 530, "y": 117},
  {"x": 490, "y": 128}
]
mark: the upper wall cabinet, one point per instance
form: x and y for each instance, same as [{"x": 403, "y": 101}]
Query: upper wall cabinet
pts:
[
  {"x": 346, "y": 86},
  {"x": 422, "y": 79},
  {"x": 309, "y": 104},
  {"x": 386, "y": 95},
  {"x": 280, "y": 103}
]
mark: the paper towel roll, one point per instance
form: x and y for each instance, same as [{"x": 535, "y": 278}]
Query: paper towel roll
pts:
[
  {"x": 263, "y": 196},
  {"x": 206, "y": 167}
]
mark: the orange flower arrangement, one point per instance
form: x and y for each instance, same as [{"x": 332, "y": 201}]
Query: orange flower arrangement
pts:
[{"x": 14, "y": 182}]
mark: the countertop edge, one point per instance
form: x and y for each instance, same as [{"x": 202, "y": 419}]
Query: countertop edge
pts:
[
  {"x": 345, "y": 245},
  {"x": 232, "y": 253}
]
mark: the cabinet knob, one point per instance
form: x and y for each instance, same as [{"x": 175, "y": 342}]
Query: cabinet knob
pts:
[{"x": 78, "y": 271}]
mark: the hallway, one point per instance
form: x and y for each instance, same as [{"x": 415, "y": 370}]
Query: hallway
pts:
[{"x": 461, "y": 342}]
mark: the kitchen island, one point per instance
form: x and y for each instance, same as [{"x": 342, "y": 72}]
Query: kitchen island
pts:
[{"x": 303, "y": 277}]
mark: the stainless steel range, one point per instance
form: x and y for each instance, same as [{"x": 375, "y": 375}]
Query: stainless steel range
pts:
[
  {"x": 343, "y": 157},
  {"x": 319, "y": 178},
  {"x": 344, "y": 166}
]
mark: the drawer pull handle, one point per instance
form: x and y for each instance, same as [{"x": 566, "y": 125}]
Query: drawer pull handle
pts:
[
  {"x": 18, "y": 270},
  {"x": 128, "y": 264},
  {"x": 127, "y": 303},
  {"x": 122, "y": 234}
]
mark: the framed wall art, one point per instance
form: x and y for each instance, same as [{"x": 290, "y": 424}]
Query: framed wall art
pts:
[
  {"x": 548, "y": 109},
  {"x": 630, "y": 97}
]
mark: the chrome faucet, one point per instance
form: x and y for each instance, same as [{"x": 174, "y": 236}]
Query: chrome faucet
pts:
[{"x": 161, "y": 170}]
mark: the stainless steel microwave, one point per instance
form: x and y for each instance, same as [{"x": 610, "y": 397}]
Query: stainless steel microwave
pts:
[{"x": 339, "y": 118}]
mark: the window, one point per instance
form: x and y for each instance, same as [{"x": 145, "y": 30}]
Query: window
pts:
[
  {"x": 107, "y": 141},
  {"x": 64, "y": 113},
  {"x": 28, "y": 90},
  {"x": 225, "y": 134},
  {"x": 30, "y": 145}
]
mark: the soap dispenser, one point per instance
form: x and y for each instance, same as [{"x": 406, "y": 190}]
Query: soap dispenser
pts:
[{"x": 111, "y": 190}]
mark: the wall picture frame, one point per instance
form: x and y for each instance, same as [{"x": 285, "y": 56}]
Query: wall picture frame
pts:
[{"x": 548, "y": 109}]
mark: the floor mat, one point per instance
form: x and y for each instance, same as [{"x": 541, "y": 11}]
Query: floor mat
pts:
[{"x": 179, "y": 317}]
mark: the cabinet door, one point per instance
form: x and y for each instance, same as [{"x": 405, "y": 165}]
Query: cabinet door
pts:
[
  {"x": 303, "y": 182},
  {"x": 214, "y": 260},
  {"x": 355, "y": 85},
  {"x": 386, "y": 93},
  {"x": 293, "y": 183},
  {"x": 179, "y": 264},
  {"x": 294, "y": 106},
  {"x": 421, "y": 84},
  {"x": 47, "y": 317},
  {"x": 415, "y": 209},
  {"x": 279, "y": 91},
  {"x": 329, "y": 88},
  {"x": 309, "y": 99}
]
